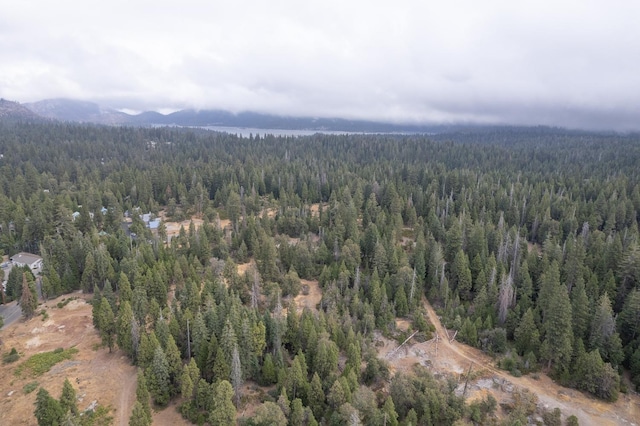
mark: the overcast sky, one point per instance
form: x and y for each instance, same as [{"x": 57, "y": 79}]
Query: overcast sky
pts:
[{"x": 560, "y": 62}]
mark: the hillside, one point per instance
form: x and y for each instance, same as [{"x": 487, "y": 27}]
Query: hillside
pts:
[
  {"x": 13, "y": 111},
  {"x": 282, "y": 280}
]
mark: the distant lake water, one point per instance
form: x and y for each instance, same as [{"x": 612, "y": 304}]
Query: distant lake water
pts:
[{"x": 246, "y": 131}]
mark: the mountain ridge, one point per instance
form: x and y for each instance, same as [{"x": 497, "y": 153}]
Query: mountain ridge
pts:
[{"x": 90, "y": 112}]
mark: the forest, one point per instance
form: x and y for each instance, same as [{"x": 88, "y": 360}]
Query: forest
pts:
[{"x": 525, "y": 240}]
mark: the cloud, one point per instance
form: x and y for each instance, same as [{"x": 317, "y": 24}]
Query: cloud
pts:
[{"x": 571, "y": 63}]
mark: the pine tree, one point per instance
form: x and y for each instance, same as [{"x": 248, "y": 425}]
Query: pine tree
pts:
[
  {"x": 28, "y": 298},
  {"x": 268, "y": 370},
  {"x": 604, "y": 336},
  {"x": 106, "y": 324},
  {"x": 296, "y": 416},
  {"x": 68, "y": 398},
  {"x": 158, "y": 378},
  {"x": 389, "y": 412},
  {"x": 580, "y": 309},
  {"x": 124, "y": 287},
  {"x": 142, "y": 394},
  {"x": 186, "y": 385},
  {"x": 316, "y": 396},
  {"x": 48, "y": 410},
  {"x": 629, "y": 317},
  {"x": 558, "y": 331},
  {"x": 138, "y": 416},
  {"x": 124, "y": 335},
  {"x": 224, "y": 413},
  {"x": 461, "y": 275},
  {"x": 526, "y": 335},
  {"x": 174, "y": 362}
]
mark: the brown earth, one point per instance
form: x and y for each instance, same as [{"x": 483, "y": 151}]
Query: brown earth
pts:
[
  {"x": 315, "y": 208},
  {"x": 443, "y": 356},
  {"x": 310, "y": 300},
  {"x": 244, "y": 267},
  {"x": 173, "y": 228},
  {"x": 96, "y": 374},
  {"x": 170, "y": 416}
]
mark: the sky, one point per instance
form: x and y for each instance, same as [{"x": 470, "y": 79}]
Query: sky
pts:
[{"x": 561, "y": 63}]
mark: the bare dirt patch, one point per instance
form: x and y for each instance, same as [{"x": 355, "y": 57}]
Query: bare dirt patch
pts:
[
  {"x": 170, "y": 416},
  {"x": 443, "y": 356},
  {"x": 244, "y": 267},
  {"x": 315, "y": 208},
  {"x": 96, "y": 374},
  {"x": 312, "y": 298},
  {"x": 402, "y": 324}
]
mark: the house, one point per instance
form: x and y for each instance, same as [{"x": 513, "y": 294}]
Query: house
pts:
[{"x": 31, "y": 260}]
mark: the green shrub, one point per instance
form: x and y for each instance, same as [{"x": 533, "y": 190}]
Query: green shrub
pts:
[
  {"x": 10, "y": 357},
  {"x": 40, "y": 363},
  {"x": 30, "y": 387}
]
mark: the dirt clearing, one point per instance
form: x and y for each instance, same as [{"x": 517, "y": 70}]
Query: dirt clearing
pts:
[
  {"x": 451, "y": 357},
  {"x": 95, "y": 374},
  {"x": 312, "y": 297}
]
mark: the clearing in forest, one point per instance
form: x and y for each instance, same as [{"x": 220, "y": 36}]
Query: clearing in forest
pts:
[
  {"x": 96, "y": 374},
  {"x": 443, "y": 356}
]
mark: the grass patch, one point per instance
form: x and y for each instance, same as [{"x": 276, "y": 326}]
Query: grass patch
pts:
[
  {"x": 30, "y": 387},
  {"x": 61, "y": 304},
  {"x": 44, "y": 314},
  {"x": 40, "y": 363},
  {"x": 100, "y": 417},
  {"x": 10, "y": 357}
]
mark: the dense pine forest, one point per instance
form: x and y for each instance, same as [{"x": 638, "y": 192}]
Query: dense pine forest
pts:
[{"x": 524, "y": 239}]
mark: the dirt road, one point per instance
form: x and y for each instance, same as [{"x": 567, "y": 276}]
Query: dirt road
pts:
[{"x": 455, "y": 357}]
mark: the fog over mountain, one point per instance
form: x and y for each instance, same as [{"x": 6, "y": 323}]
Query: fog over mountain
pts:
[{"x": 570, "y": 64}]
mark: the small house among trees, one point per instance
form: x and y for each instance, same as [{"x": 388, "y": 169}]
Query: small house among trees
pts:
[{"x": 27, "y": 259}]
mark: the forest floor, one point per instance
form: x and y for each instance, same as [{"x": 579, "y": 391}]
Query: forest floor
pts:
[
  {"x": 96, "y": 374},
  {"x": 455, "y": 358}
]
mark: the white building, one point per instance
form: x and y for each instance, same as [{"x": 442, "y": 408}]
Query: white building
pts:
[{"x": 31, "y": 260}]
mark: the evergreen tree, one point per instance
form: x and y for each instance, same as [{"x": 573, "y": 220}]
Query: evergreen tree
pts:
[
  {"x": 106, "y": 323},
  {"x": 224, "y": 412},
  {"x": 461, "y": 275},
  {"x": 138, "y": 416},
  {"x": 558, "y": 332},
  {"x": 142, "y": 394},
  {"x": 629, "y": 317},
  {"x": 603, "y": 333},
  {"x": 158, "y": 378},
  {"x": 580, "y": 309},
  {"x": 68, "y": 401},
  {"x": 526, "y": 335},
  {"x": 174, "y": 363},
  {"x": 48, "y": 410},
  {"x": 28, "y": 298},
  {"x": 124, "y": 326}
]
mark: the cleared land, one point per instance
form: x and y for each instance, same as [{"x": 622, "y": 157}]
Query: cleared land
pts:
[
  {"x": 96, "y": 374},
  {"x": 452, "y": 357}
]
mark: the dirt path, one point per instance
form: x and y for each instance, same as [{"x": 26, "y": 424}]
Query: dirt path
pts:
[
  {"x": 127, "y": 398},
  {"x": 456, "y": 357}
]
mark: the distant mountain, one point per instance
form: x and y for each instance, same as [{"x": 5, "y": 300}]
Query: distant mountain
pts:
[
  {"x": 13, "y": 111},
  {"x": 78, "y": 111},
  {"x": 219, "y": 118},
  {"x": 90, "y": 112}
]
